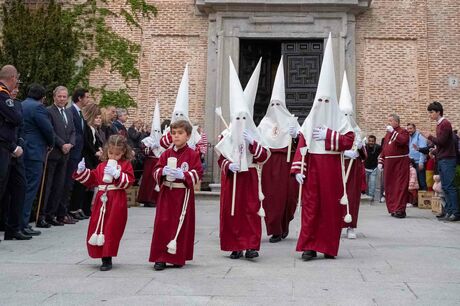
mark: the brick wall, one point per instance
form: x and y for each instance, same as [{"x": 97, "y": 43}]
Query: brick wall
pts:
[
  {"x": 406, "y": 51},
  {"x": 175, "y": 37}
]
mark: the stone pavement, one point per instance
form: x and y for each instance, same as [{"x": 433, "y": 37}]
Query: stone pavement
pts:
[{"x": 413, "y": 261}]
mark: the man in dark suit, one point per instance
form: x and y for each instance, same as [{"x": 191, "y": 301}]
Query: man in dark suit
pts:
[
  {"x": 75, "y": 192},
  {"x": 38, "y": 136},
  {"x": 53, "y": 211},
  {"x": 119, "y": 124}
]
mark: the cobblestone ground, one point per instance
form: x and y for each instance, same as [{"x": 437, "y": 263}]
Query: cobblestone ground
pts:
[{"x": 412, "y": 261}]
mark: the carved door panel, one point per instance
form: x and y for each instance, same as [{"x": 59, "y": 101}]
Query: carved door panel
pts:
[{"x": 302, "y": 65}]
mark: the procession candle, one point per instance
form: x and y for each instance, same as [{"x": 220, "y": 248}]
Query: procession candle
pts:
[{"x": 172, "y": 163}]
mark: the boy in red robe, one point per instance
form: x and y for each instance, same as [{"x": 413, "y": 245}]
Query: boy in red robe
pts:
[{"x": 174, "y": 228}]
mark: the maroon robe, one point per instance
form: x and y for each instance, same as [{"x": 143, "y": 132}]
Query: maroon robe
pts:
[
  {"x": 116, "y": 213},
  {"x": 354, "y": 186},
  {"x": 242, "y": 231},
  {"x": 147, "y": 192},
  {"x": 169, "y": 208},
  {"x": 322, "y": 213},
  {"x": 395, "y": 160},
  {"x": 280, "y": 190}
]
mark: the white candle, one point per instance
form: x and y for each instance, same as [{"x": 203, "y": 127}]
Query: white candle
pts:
[
  {"x": 107, "y": 177},
  {"x": 172, "y": 163}
]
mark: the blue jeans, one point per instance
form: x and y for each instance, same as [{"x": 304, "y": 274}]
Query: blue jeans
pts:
[
  {"x": 371, "y": 175},
  {"x": 421, "y": 176},
  {"x": 446, "y": 169}
]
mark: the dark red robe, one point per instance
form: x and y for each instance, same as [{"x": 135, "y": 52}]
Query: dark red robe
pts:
[
  {"x": 395, "y": 160},
  {"x": 116, "y": 213},
  {"x": 147, "y": 192},
  {"x": 280, "y": 190},
  {"x": 354, "y": 187},
  {"x": 242, "y": 231},
  {"x": 322, "y": 213},
  {"x": 169, "y": 208}
]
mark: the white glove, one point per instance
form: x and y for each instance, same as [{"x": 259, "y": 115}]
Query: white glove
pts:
[
  {"x": 380, "y": 167},
  {"x": 351, "y": 154},
  {"x": 234, "y": 167},
  {"x": 167, "y": 171},
  {"x": 81, "y": 166},
  {"x": 299, "y": 178},
  {"x": 390, "y": 129},
  {"x": 293, "y": 131},
  {"x": 113, "y": 171},
  {"x": 359, "y": 143},
  {"x": 319, "y": 133},
  {"x": 178, "y": 173},
  {"x": 248, "y": 137}
]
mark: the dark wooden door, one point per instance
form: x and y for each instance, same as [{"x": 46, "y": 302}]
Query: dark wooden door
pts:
[{"x": 302, "y": 65}]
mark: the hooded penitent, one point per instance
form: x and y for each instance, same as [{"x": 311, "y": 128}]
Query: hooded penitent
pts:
[
  {"x": 155, "y": 132},
  {"x": 325, "y": 110},
  {"x": 180, "y": 111},
  {"x": 233, "y": 146},
  {"x": 274, "y": 127},
  {"x": 346, "y": 105}
]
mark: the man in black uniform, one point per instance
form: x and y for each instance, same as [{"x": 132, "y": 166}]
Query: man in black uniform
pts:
[
  {"x": 10, "y": 119},
  {"x": 12, "y": 201}
]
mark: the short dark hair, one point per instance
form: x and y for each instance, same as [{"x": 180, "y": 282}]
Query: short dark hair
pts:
[
  {"x": 182, "y": 124},
  {"x": 78, "y": 93},
  {"x": 36, "y": 91},
  {"x": 165, "y": 123},
  {"x": 373, "y": 137},
  {"x": 435, "y": 107},
  {"x": 411, "y": 124}
]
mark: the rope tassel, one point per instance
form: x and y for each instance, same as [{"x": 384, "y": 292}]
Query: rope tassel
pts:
[
  {"x": 172, "y": 245},
  {"x": 344, "y": 199},
  {"x": 99, "y": 239}
]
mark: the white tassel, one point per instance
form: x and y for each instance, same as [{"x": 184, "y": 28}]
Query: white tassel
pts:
[
  {"x": 347, "y": 218},
  {"x": 157, "y": 188},
  {"x": 100, "y": 239},
  {"x": 344, "y": 200},
  {"x": 172, "y": 247},
  {"x": 261, "y": 195},
  {"x": 93, "y": 239},
  {"x": 261, "y": 211}
]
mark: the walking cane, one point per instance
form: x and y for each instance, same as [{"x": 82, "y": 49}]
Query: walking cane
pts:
[
  {"x": 303, "y": 152},
  {"x": 42, "y": 185}
]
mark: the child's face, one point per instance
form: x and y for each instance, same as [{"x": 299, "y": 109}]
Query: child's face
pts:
[
  {"x": 179, "y": 137},
  {"x": 115, "y": 152}
]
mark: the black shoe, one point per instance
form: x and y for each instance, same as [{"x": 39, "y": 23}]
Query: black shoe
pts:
[
  {"x": 284, "y": 235},
  {"x": 327, "y": 256},
  {"x": 453, "y": 218},
  {"x": 275, "y": 238},
  {"x": 178, "y": 266},
  {"x": 399, "y": 214},
  {"x": 444, "y": 218},
  {"x": 31, "y": 232},
  {"x": 236, "y": 254},
  {"x": 106, "y": 264},
  {"x": 442, "y": 215},
  {"x": 82, "y": 215},
  {"x": 42, "y": 224},
  {"x": 308, "y": 255},
  {"x": 16, "y": 235},
  {"x": 251, "y": 254},
  {"x": 75, "y": 215},
  {"x": 159, "y": 266},
  {"x": 55, "y": 222}
]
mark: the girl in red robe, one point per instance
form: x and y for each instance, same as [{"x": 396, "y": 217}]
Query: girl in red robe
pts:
[
  {"x": 174, "y": 228},
  {"x": 110, "y": 210}
]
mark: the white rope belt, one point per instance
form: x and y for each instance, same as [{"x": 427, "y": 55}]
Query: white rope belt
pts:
[
  {"x": 397, "y": 156},
  {"x": 109, "y": 187},
  {"x": 174, "y": 185}
]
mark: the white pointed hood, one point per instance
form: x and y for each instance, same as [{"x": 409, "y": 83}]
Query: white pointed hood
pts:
[
  {"x": 180, "y": 111},
  {"x": 250, "y": 92},
  {"x": 325, "y": 110},
  {"x": 346, "y": 105},
  {"x": 274, "y": 127},
  {"x": 155, "y": 132},
  {"x": 233, "y": 146}
]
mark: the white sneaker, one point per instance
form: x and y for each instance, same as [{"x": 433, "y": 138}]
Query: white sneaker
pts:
[
  {"x": 351, "y": 233},
  {"x": 382, "y": 199},
  {"x": 409, "y": 205},
  {"x": 366, "y": 197}
]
